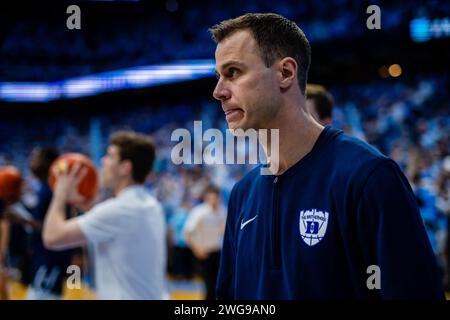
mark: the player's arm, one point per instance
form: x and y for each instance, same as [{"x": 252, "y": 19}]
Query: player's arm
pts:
[
  {"x": 4, "y": 233},
  {"x": 4, "y": 240},
  {"x": 392, "y": 237},
  {"x": 58, "y": 232},
  {"x": 188, "y": 232},
  {"x": 18, "y": 214}
]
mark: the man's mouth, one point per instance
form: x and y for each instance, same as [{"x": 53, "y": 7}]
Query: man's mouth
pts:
[
  {"x": 233, "y": 114},
  {"x": 227, "y": 112}
]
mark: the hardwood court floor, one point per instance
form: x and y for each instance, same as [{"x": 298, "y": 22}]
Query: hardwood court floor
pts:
[{"x": 179, "y": 290}]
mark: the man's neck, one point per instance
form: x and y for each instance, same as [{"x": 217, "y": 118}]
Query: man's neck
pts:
[
  {"x": 123, "y": 185},
  {"x": 214, "y": 207},
  {"x": 298, "y": 132}
]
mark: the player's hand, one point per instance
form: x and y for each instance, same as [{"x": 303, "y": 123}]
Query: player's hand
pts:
[
  {"x": 200, "y": 254},
  {"x": 67, "y": 181},
  {"x": 84, "y": 206}
]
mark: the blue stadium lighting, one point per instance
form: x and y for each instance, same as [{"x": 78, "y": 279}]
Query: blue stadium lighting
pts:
[
  {"x": 424, "y": 29},
  {"x": 29, "y": 91},
  {"x": 419, "y": 29},
  {"x": 130, "y": 78}
]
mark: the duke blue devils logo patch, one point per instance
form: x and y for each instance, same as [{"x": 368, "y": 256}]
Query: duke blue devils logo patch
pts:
[{"x": 313, "y": 225}]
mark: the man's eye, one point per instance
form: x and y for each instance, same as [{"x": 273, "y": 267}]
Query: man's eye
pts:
[{"x": 232, "y": 72}]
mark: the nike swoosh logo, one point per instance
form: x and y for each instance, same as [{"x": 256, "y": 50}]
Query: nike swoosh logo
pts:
[{"x": 243, "y": 224}]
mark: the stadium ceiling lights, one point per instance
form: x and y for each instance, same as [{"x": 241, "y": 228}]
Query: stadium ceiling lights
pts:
[
  {"x": 137, "y": 77},
  {"x": 424, "y": 29}
]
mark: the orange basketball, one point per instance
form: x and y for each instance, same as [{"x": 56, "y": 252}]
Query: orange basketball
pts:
[
  {"x": 89, "y": 185},
  {"x": 10, "y": 183}
]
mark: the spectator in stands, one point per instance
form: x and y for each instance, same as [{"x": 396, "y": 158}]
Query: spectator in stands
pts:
[{"x": 319, "y": 103}]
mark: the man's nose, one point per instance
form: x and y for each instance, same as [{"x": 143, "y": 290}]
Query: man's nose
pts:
[{"x": 221, "y": 92}]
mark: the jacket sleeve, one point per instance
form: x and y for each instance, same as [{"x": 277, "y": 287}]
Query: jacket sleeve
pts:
[
  {"x": 226, "y": 276},
  {"x": 392, "y": 237}
]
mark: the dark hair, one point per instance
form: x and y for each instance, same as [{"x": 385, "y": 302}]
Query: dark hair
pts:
[
  {"x": 323, "y": 100},
  {"x": 138, "y": 149},
  {"x": 210, "y": 189},
  {"x": 276, "y": 36},
  {"x": 45, "y": 157}
]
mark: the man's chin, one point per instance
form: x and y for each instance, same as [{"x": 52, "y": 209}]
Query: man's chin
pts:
[
  {"x": 235, "y": 125},
  {"x": 105, "y": 182},
  {"x": 240, "y": 130},
  {"x": 237, "y": 131}
]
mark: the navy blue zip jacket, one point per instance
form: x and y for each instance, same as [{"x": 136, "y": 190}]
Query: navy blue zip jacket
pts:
[{"x": 342, "y": 223}]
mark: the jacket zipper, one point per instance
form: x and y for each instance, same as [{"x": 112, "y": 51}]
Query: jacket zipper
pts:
[{"x": 276, "y": 258}]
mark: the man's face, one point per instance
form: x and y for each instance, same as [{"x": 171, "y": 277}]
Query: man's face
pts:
[
  {"x": 111, "y": 167},
  {"x": 35, "y": 161},
  {"x": 37, "y": 164},
  {"x": 213, "y": 199},
  {"x": 248, "y": 90}
]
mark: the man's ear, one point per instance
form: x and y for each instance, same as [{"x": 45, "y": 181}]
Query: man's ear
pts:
[
  {"x": 126, "y": 167},
  {"x": 287, "y": 68}
]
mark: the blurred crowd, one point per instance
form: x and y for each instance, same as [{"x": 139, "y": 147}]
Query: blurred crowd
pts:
[
  {"x": 409, "y": 122},
  {"x": 43, "y": 50}
]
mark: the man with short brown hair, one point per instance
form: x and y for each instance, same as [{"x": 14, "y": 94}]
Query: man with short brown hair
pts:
[
  {"x": 136, "y": 148},
  {"x": 334, "y": 211},
  {"x": 126, "y": 232}
]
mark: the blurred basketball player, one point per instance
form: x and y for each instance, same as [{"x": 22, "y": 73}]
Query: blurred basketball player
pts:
[
  {"x": 4, "y": 237},
  {"x": 337, "y": 219},
  {"x": 126, "y": 233},
  {"x": 204, "y": 234},
  {"x": 48, "y": 267},
  {"x": 13, "y": 213},
  {"x": 319, "y": 103}
]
